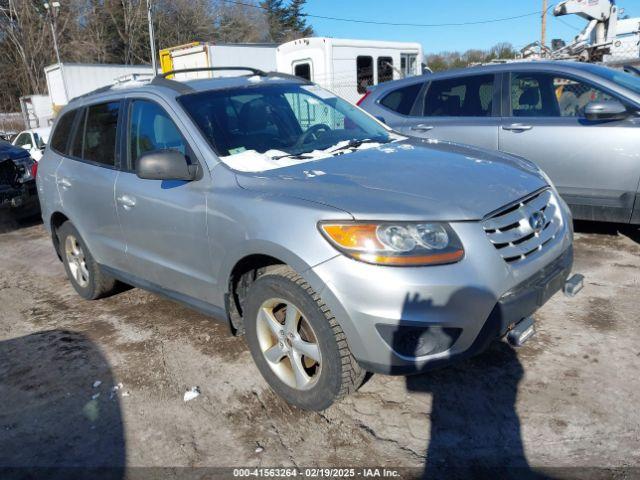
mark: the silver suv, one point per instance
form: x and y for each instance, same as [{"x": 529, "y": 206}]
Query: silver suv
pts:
[
  {"x": 578, "y": 122},
  {"x": 336, "y": 245}
]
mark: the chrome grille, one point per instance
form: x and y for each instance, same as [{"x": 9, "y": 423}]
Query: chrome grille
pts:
[{"x": 511, "y": 230}]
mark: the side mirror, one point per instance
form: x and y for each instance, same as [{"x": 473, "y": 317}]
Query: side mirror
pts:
[
  {"x": 27, "y": 146},
  {"x": 606, "y": 110},
  {"x": 165, "y": 165}
]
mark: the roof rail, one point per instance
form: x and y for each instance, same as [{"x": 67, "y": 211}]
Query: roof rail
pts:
[{"x": 255, "y": 71}]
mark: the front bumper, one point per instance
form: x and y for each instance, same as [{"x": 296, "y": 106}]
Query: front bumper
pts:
[{"x": 409, "y": 320}]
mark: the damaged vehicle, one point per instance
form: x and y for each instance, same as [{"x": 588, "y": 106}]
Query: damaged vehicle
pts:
[
  {"x": 335, "y": 245},
  {"x": 18, "y": 194}
]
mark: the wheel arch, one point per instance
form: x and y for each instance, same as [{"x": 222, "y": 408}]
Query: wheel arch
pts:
[{"x": 55, "y": 222}]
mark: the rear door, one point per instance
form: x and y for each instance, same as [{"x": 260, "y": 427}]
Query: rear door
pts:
[
  {"x": 164, "y": 222},
  {"x": 86, "y": 178},
  {"x": 594, "y": 165},
  {"x": 462, "y": 109}
]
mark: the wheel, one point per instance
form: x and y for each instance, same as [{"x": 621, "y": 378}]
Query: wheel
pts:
[
  {"x": 82, "y": 271},
  {"x": 297, "y": 343}
]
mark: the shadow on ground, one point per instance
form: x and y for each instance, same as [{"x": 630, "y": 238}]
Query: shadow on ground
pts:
[
  {"x": 9, "y": 222},
  {"x": 475, "y": 429},
  {"x": 612, "y": 229},
  {"x": 50, "y": 424}
]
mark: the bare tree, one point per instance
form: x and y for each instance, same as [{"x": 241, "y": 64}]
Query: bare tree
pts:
[{"x": 24, "y": 31}]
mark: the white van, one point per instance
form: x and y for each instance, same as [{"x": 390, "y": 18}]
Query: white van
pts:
[{"x": 347, "y": 67}]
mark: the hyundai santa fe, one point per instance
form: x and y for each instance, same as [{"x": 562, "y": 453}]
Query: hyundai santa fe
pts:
[{"x": 336, "y": 245}]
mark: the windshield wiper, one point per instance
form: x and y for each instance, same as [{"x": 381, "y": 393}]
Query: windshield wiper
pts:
[
  {"x": 353, "y": 144},
  {"x": 296, "y": 156}
]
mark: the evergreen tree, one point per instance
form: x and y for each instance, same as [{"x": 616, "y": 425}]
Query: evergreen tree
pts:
[
  {"x": 276, "y": 19},
  {"x": 296, "y": 21}
]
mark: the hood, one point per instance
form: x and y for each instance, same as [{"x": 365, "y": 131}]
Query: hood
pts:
[
  {"x": 413, "y": 179},
  {"x": 7, "y": 150}
]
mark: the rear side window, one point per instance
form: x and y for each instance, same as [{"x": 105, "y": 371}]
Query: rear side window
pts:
[
  {"x": 95, "y": 139},
  {"x": 402, "y": 99},
  {"x": 60, "y": 137},
  {"x": 460, "y": 97},
  {"x": 151, "y": 129}
]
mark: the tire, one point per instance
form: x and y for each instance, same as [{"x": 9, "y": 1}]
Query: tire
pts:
[
  {"x": 93, "y": 282},
  {"x": 328, "y": 378}
]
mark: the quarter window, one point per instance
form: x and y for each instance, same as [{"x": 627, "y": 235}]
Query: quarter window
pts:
[
  {"x": 152, "y": 129},
  {"x": 402, "y": 99},
  {"x": 460, "y": 97},
  {"x": 95, "y": 140},
  {"x": 62, "y": 132},
  {"x": 546, "y": 95},
  {"x": 364, "y": 73}
]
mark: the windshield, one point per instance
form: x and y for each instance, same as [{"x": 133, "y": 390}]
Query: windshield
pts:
[
  {"x": 624, "y": 79},
  {"x": 280, "y": 121}
]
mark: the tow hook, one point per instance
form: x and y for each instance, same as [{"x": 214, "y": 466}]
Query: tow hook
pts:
[
  {"x": 573, "y": 285},
  {"x": 521, "y": 332}
]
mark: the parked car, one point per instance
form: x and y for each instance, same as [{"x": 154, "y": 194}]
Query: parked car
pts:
[
  {"x": 18, "y": 194},
  {"x": 334, "y": 244},
  {"x": 578, "y": 122},
  {"x": 34, "y": 141}
]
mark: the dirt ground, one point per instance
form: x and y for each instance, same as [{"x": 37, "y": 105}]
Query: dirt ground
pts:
[{"x": 569, "y": 398}]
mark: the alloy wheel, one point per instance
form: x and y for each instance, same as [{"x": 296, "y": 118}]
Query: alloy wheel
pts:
[
  {"x": 76, "y": 261},
  {"x": 289, "y": 344}
]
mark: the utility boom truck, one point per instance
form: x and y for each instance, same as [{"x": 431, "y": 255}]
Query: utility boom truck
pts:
[{"x": 606, "y": 38}]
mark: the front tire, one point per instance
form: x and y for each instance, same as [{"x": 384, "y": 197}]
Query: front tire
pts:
[
  {"x": 296, "y": 342},
  {"x": 83, "y": 272}
]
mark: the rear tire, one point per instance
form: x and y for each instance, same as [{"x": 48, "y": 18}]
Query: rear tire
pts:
[
  {"x": 83, "y": 272},
  {"x": 304, "y": 357}
]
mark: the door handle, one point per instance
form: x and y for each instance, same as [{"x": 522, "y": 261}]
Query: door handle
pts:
[
  {"x": 127, "y": 202},
  {"x": 517, "y": 127},
  {"x": 421, "y": 127},
  {"x": 64, "y": 183}
]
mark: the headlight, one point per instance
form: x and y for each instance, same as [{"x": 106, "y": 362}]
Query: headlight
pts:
[{"x": 390, "y": 243}]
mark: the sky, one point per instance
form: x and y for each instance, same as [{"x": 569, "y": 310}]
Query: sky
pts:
[{"x": 519, "y": 32}]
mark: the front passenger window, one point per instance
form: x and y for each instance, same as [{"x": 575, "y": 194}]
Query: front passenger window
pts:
[
  {"x": 151, "y": 129},
  {"x": 546, "y": 95}
]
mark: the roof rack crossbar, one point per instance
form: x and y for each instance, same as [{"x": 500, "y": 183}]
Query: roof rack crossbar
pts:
[{"x": 255, "y": 71}]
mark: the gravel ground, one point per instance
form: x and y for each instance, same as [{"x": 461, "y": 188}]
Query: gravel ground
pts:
[{"x": 568, "y": 398}]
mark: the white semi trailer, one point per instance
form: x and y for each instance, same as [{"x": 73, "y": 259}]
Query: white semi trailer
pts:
[{"x": 66, "y": 81}]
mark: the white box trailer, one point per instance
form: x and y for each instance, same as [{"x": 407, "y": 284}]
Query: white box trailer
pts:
[
  {"x": 36, "y": 110},
  {"x": 66, "y": 81},
  {"x": 347, "y": 67},
  {"x": 204, "y": 55}
]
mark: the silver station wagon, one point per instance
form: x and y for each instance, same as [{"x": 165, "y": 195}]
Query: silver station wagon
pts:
[{"x": 336, "y": 245}]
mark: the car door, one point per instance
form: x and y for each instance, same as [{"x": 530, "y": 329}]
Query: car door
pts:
[
  {"x": 86, "y": 178},
  {"x": 594, "y": 164},
  {"x": 462, "y": 109},
  {"x": 164, "y": 222}
]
